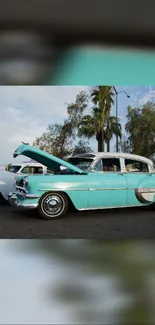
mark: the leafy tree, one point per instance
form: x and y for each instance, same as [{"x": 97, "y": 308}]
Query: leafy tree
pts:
[
  {"x": 76, "y": 110},
  {"x": 140, "y": 129},
  {"x": 125, "y": 145},
  {"x": 57, "y": 140},
  {"x": 81, "y": 147}
]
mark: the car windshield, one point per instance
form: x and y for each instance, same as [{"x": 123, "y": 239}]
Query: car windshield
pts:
[
  {"x": 82, "y": 163},
  {"x": 13, "y": 169}
]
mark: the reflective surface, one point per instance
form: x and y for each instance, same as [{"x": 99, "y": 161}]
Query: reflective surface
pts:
[{"x": 52, "y": 205}]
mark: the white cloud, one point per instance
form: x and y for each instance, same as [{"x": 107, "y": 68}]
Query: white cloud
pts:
[
  {"x": 147, "y": 97},
  {"x": 26, "y": 111}
]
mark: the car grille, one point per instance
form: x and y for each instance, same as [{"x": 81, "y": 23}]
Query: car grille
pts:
[{"x": 21, "y": 183}]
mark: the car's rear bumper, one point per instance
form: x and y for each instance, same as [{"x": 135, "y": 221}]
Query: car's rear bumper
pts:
[{"x": 14, "y": 200}]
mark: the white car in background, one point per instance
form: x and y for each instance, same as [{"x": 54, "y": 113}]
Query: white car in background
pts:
[{"x": 8, "y": 176}]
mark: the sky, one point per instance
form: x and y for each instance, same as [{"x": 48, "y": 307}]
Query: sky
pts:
[{"x": 26, "y": 111}]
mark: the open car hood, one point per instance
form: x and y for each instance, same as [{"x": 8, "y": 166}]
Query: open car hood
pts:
[{"x": 44, "y": 158}]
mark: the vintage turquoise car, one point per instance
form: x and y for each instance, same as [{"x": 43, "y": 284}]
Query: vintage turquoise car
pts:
[{"x": 87, "y": 181}]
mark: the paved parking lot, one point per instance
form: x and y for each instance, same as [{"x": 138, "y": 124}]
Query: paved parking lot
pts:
[{"x": 106, "y": 224}]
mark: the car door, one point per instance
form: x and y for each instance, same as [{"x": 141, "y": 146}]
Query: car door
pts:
[
  {"x": 136, "y": 171},
  {"x": 108, "y": 187}
]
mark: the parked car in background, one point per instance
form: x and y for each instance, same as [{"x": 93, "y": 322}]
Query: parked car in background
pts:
[
  {"x": 27, "y": 167},
  {"x": 7, "y": 177},
  {"x": 88, "y": 181}
]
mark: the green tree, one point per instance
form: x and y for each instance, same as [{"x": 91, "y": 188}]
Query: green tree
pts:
[
  {"x": 102, "y": 96},
  {"x": 81, "y": 147},
  {"x": 140, "y": 129},
  {"x": 112, "y": 128},
  {"x": 57, "y": 140},
  {"x": 93, "y": 124},
  {"x": 76, "y": 110}
]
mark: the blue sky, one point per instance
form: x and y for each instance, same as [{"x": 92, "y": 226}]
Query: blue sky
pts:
[{"x": 26, "y": 111}]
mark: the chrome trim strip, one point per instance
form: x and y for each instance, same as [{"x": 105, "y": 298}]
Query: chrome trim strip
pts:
[
  {"x": 24, "y": 195},
  {"x": 111, "y": 189},
  {"x": 109, "y": 207},
  {"x": 88, "y": 189},
  {"x": 61, "y": 189},
  {"x": 13, "y": 200},
  {"x": 136, "y": 172},
  {"x": 32, "y": 196},
  {"x": 21, "y": 189}
]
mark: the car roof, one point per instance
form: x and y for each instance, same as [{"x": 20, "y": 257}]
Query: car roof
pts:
[
  {"x": 95, "y": 155},
  {"x": 30, "y": 163}
]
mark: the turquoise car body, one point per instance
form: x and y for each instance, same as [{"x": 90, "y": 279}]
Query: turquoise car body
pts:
[{"x": 86, "y": 189}]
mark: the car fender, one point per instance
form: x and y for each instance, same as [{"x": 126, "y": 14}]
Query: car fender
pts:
[{"x": 74, "y": 186}]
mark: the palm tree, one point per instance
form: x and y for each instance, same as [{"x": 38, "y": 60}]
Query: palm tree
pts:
[
  {"x": 112, "y": 128},
  {"x": 94, "y": 124},
  {"x": 89, "y": 126},
  {"x": 103, "y": 97}
]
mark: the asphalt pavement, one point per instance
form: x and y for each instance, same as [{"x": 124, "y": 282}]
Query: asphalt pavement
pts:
[{"x": 102, "y": 224}]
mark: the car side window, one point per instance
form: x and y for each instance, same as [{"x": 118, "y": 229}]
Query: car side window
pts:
[
  {"x": 32, "y": 170},
  {"x": 38, "y": 170},
  {"x": 25, "y": 170},
  {"x": 136, "y": 166},
  {"x": 98, "y": 166},
  {"x": 111, "y": 165}
]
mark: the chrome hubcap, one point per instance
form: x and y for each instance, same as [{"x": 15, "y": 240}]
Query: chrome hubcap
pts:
[{"x": 53, "y": 205}]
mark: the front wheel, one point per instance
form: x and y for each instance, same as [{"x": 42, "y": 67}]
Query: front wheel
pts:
[{"x": 53, "y": 205}]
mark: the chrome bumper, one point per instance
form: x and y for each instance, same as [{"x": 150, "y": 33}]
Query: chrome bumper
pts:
[{"x": 13, "y": 200}]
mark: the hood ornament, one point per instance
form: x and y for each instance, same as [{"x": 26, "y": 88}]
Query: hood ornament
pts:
[{"x": 25, "y": 143}]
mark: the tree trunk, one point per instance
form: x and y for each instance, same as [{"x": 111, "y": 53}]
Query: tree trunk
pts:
[
  {"x": 100, "y": 141},
  {"x": 108, "y": 146},
  {"x": 100, "y": 144}
]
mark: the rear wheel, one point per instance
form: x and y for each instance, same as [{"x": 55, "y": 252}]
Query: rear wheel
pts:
[{"x": 53, "y": 205}]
